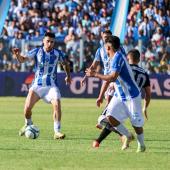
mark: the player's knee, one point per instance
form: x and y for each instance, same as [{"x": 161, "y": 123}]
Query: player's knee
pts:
[
  {"x": 138, "y": 130},
  {"x": 113, "y": 121}
]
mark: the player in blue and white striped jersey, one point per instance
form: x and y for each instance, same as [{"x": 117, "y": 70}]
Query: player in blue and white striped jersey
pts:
[
  {"x": 101, "y": 58},
  {"x": 44, "y": 85},
  {"x": 127, "y": 99},
  {"x": 143, "y": 82}
]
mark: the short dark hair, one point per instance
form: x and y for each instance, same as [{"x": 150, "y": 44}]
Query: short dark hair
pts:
[
  {"x": 49, "y": 34},
  {"x": 114, "y": 41},
  {"x": 107, "y": 32},
  {"x": 135, "y": 55}
]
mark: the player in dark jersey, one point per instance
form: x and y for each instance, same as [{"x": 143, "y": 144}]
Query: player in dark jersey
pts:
[
  {"x": 143, "y": 82},
  {"x": 141, "y": 77}
]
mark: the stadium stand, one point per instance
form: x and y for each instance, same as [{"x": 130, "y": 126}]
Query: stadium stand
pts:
[{"x": 148, "y": 29}]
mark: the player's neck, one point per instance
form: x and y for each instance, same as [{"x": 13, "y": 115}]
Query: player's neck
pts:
[
  {"x": 46, "y": 50},
  {"x": 112, "y": 54},
  {"x": 132, "y": 62}
]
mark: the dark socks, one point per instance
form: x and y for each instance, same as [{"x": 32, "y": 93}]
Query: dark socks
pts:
[
  {"x": 111, "y": 128},
  {"x": 105, "y": 132}
]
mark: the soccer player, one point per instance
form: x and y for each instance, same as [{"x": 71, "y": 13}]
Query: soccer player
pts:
[
  {"x": 127, "y": 99},
  {"x": 102, "y": 57},
  {"x": 143, "y": 82},
  {"x": 44, "y": 85},
  {"x": 141, "y": 77},
  {"x": 106, "y": 88}
]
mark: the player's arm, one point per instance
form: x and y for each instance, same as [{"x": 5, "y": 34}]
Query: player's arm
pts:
[
  {"x": 18, "y": 55},
  {"x": 110, "y": 77},
  {"x": 93, "y": 66},
  {"x": 102, "y": 92},
  {"x": 66, "y": 68},
  {"x": 147, "y": 98},
  {"x": 115, "y": 68}
]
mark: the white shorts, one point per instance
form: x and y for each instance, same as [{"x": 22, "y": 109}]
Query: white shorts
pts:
[
  {"x": 47, "y": 93},
  {"x": 122, "y": 110},
  {"x": 110, "y": 90}
]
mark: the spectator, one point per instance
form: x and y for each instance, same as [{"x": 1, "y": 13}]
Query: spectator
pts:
[
  {"x": 145, "y": 27},
  {"x": 157, "y": 36},
  {"x": 148, "y": 24}
]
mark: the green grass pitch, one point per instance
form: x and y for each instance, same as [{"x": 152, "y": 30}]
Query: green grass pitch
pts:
[{"x": 75, "y": 151}]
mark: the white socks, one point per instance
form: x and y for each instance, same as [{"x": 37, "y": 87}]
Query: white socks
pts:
[
  {"x": 140, "y": 139},
  {"x": 57, "y": 126},
  {"x": 28, "y": 121},
  {"x": 121, "y": 128}
]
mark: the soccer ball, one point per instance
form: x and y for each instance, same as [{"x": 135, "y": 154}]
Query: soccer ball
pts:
[{"x": 32, "y": 132}]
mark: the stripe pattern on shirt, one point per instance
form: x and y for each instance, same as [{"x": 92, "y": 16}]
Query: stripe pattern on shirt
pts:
[
  {"x": 46, "y": 66},
  {"x": 125, "y": 85}
]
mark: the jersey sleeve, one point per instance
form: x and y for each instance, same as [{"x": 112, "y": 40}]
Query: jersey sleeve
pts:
[
  {"x": 122, "y": 50},
  {"x": 62, "y": 56},
  {"x": 32, "y": 53},
  {"x": 117, "y": 63},
  {"x": 147, "y": 82},
  {"x": 97, "y": 55}
]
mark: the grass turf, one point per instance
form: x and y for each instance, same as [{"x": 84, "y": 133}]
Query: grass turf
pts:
[{"x": 75, "y": 151}]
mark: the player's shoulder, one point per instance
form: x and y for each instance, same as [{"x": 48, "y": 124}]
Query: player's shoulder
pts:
[
  {"x": 100, "y": 48},
  {"x": 58, "y": 52},
  {"x": 33, "y": 51},
  {"x": 122, "y": 50},
  {"x": 118, "y": 54},
  {"x": 138, "y": 68},
  {"x": 99, "y": 51}
]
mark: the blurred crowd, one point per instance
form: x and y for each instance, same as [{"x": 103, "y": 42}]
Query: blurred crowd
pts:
[{"x": 82, "y": 21}]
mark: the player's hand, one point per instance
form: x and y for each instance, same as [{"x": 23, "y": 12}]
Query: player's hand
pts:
[
  {"x": 90, "y": 72},
  {"x": 16, "y": 51},
  {"x": 99, "y": 101},
  {"x": 83, "y": 81},
  {"x": 68, "y": 80},
  {"x": 145, "y": 113}
]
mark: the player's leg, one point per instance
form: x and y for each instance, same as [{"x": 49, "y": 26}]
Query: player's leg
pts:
[
  {"x": 53, "y": 97},
  {"x": 102, "y": 121},
  {"x": 31, "y": 99},
  {"x": 104, "y": 133},
  {"x": 116, "y": 114},
  {"x": 108, "y": 96},
  {"x": 57, "y": 119},
  {"x": 127, "y": 136},
  {"x": 140, "y": 139},
  {"x": 109, "y": 93},
  {"x": 137, "y": 121}
]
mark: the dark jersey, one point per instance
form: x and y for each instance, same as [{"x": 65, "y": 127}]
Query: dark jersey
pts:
[{"x": 141, "y": 77}]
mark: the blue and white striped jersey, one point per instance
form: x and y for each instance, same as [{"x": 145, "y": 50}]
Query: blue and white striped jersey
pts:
[
  {"x": 102, "y": 56},
  {"x": 125, "y": 85},
  {"x": 46, "y": 66},
  {"x": 122, "y": 50}
]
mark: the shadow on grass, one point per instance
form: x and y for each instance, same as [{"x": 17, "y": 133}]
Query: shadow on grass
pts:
[{"x": 158, "y": 140}]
